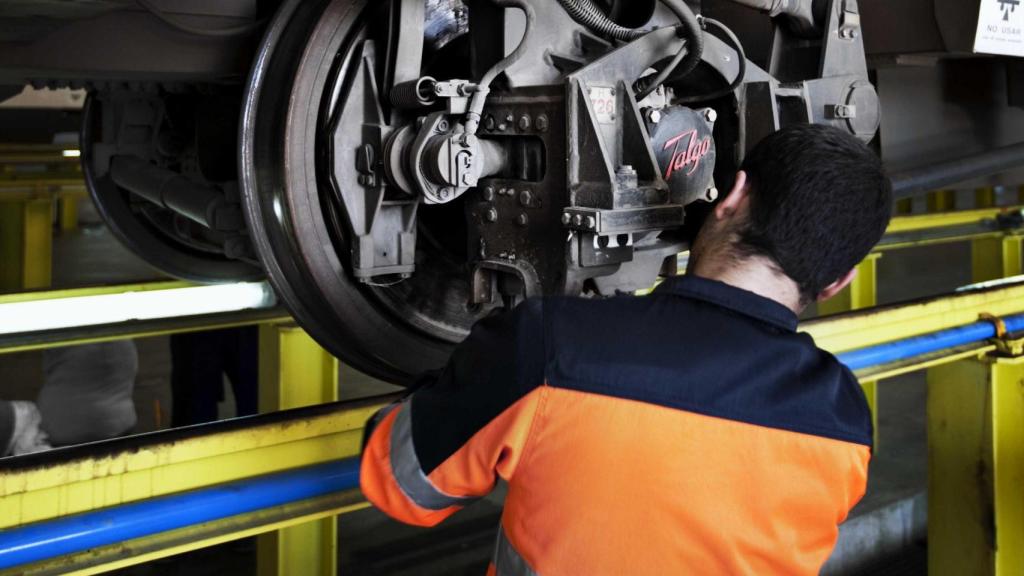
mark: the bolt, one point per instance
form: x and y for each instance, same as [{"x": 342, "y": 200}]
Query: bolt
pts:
[
  {"x": 849, "y": 33},
  {"x": 591, "y": 222},
  {"x": 577, "y": 220},
  {"x": 710, "y": 115},
  {"x": 489, "y": 122},
  {"x": 509, "y": 118},
  {"x": 502, "y": 127},
  {"x": 445, "y": 193},
  {"x": 525, "y": 198},
  {"x": 612, "y": 92},
  {"x": 654, "y": 116},
  {"x": 442, "y": 126},
  {"x": 522, "y": 219},
  {"x": 712, "y": 194},
  {"x": 524, "y": 122},
  {"x": 566, "y": 219},
  {"x": 488, "y": 194},
  {"x": 491, "y": 215},
  {"x": 542, "y": 123}
]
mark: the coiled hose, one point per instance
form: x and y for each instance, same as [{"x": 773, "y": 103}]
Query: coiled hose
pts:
[{"x": 587, "y": 14}]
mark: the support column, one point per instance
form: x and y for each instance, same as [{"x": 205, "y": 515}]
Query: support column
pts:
[
  {"x": 862, "y": 293},
  {"x": 26, "y": 244},
  {"x": 294, "y": 372},
  {"x": 996, "y": 258},
  {"x": 976, "y": 467},
  {"x": 941, "y": 201},
  {"x": 67, "y": 209}
]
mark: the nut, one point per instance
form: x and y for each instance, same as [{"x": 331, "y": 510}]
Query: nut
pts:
[
  {"x": 525, "y": 198},
  {"x": 654, "y": 116},
  {"x": 489, "y": 122},
  {"x": 710, "y": 115},
  {"x": 591, "y": 222},
  {"x": 487, "y": 194},
  {"x": 542, "y": 123},
  {"x": 711, "y": 195},
  {"x": 566, "y": 219},
  {"x": 491, "y": 215},
  {"x": 524, "y": 122},
  {"x": 577, "y": 220},
  {"x": 522, "y": 219}
]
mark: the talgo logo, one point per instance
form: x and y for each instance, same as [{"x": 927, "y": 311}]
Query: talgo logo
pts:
[
  {"x": 1008, "y": 6},
  {"x": 687, "y": 150}
]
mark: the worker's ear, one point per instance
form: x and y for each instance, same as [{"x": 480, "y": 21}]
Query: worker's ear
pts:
[
  {"x": 837, "y": 286},
  {"x": 732, "y": 202}
]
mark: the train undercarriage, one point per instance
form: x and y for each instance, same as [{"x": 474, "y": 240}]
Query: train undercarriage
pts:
[{"x": 401, "y": 169}]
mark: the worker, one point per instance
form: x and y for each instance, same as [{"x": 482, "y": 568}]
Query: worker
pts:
[
  {"x": 86, "y": 396},
  {"x": 690, "y": 431}
]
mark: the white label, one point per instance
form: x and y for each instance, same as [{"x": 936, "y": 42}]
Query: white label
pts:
[
  {"x": 1000, "y": 28},
  {"x": 604, "y": 103}
]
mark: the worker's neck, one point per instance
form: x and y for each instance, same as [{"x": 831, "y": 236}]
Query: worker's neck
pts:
[{"x": 754, "y": 274}]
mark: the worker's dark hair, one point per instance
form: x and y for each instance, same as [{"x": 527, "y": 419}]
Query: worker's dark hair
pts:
[{"x": 820, "y": 200}]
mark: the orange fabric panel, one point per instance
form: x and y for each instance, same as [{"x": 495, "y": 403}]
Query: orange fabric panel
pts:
[
  {"x": 614, "y": 486},
  {"x": 378, "y": 482},
  {"x": 495, "y": 450}
]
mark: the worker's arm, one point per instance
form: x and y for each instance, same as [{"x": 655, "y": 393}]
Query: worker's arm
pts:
[{"x": 444, "y": 446}]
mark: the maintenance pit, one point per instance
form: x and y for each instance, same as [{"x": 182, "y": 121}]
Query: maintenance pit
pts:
[{"x": 257, "y": 245}]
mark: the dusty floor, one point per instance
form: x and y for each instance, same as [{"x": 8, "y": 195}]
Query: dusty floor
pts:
[{"x": 370, "y": 543}]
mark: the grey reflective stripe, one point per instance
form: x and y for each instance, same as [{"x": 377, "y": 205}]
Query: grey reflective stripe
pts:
[
  {"x": 507, "y": 561},
  {"x": 408, "y": 473}
]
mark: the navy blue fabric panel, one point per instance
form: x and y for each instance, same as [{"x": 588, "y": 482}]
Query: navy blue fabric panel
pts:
[
  {"x": 500, "y": 361},
  {"x": 708, "y": 348}
]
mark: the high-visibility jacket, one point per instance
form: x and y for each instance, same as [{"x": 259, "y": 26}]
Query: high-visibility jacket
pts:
[{"x": 691, "y": 431}]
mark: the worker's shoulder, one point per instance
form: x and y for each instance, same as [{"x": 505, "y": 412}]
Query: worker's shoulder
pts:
[{"x": 699, "y": 357}]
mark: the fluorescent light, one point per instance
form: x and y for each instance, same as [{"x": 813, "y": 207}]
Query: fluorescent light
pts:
[
  {"x": 74, "y": 312},
  {"x": 71, "y": 153}
]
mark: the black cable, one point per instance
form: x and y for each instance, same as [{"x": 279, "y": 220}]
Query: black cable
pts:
[
  {"x": 212, "y": 32},
  {"x": 648, "y": 84},
  {"x": 483, "y": 88},
  {"x": 584, "y": 12},
  {"x": 685, "y": 61},
  {"x": 740, "y": 76}
]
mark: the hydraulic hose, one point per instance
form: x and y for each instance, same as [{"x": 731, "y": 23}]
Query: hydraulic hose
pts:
[
  {"x": 741, "y": 73},
  {"x": 587, "y": 14},
  {"x": 584, "y": 12},
  {"x": 483, "y": 88}
]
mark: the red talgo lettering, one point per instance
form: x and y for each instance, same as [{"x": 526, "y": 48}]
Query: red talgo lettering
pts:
[{"x": 690, "y": 155}]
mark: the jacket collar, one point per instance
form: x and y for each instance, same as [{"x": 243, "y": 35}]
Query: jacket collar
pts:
[{"x": 732, "y": 298}]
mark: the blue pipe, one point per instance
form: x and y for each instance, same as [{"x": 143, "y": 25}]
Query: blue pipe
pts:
[
  {"x": 918, "y": 345},
  {"x": 74, "y": 534}
]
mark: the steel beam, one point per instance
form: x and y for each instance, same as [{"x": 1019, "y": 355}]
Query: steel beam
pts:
[
  {"x": 296, "y": 372},
  {"x": 889, "y": 323},
  {"x": 976, "y": 466},
  {"x": 81, "y": 479}
]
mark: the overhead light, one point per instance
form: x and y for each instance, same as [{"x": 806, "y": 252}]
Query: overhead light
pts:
[
  {"x": 71, "y": 153},
  {"x": 106, "y": 309}
]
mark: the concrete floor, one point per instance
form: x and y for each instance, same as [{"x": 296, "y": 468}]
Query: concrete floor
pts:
[{"x": 372, "y": 544}]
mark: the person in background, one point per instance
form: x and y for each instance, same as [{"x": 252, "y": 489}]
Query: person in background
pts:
[{"x": 86, "y": 396}]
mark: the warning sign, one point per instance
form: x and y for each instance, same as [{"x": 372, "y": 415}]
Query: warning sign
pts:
[{"x": 1000, "y": 28}]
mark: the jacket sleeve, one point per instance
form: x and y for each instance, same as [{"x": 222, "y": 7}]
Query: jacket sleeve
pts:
[{"x": 445, "y": 446}]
